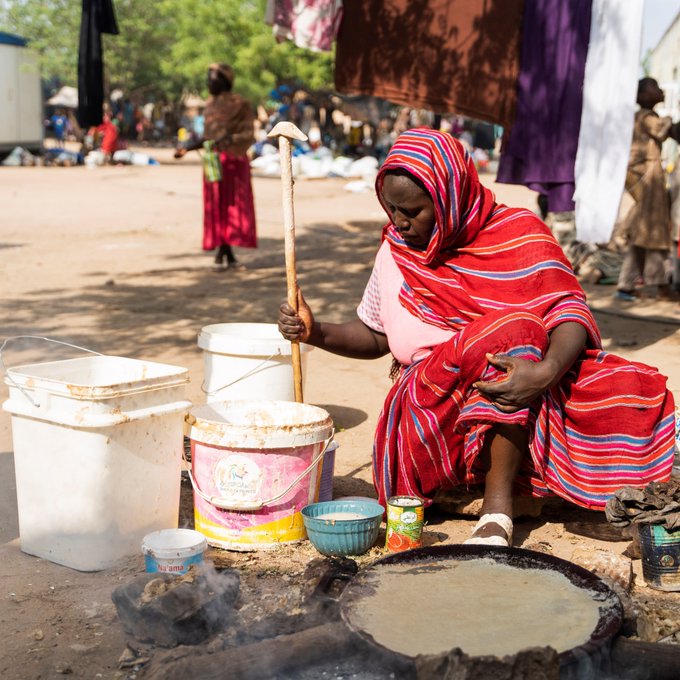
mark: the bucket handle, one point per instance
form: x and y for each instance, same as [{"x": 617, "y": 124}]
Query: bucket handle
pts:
[
  {"x": 34, "y": 337},
  {"x": 210, "y": 393},
  {"x": 252, "y": 506}
]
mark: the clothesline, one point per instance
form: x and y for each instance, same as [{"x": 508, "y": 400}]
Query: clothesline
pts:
[{"x": 559, "y": 75}]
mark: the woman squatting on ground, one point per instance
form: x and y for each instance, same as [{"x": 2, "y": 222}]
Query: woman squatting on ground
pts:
[{"x": 501, "y": 379}]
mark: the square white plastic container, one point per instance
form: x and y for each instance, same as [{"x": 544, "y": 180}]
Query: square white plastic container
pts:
[{"x": 97, "y": 451}]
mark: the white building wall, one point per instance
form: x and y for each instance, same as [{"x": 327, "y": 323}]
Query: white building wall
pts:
[{"x": 664, "y": 65}]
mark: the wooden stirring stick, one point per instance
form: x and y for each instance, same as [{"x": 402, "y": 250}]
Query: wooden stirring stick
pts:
[{"x": 286, "y": 131}]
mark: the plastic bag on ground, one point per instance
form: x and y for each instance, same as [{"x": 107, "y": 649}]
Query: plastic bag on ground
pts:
[{"x": 14, "y": 158}]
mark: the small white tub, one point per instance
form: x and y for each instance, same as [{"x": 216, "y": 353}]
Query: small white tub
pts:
[{"x": 173, "y": 551}]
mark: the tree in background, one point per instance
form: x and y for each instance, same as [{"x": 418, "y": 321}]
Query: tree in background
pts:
[
  {"x": 52, "y": 27},
  {"x": 165, "y": 46},
  {"x": 133, "y": 60},
  {"x": 233, "y": 31}
]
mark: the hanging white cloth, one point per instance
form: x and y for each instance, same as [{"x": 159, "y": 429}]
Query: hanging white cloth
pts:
[{"x": 609, "y": 94}]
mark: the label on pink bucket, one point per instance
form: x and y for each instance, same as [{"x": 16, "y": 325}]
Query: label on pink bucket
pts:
[{"x": 238, "y": 478}]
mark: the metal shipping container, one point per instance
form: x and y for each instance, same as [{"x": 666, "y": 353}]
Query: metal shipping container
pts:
[{"x": 20, "y": 96}]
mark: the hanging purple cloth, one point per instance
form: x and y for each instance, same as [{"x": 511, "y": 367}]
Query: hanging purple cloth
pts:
[
  {"x": 539, "y": 149},
  {"x": 97, "y": 17}
]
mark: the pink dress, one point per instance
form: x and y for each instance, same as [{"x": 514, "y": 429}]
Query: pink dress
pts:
[{"x": 229, "y": 206}]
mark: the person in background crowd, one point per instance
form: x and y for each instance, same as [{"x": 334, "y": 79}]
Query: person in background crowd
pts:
[
  {"x": 59, "y": 123},
  {"x": 228, "y": 204},
  {"x": 198, "y": 124},
  {"x": 402, "y": 122},
  {"x": 128, "y": 119},
  {"x": 109, "y": 137},
  {"x": 500, "y": 376},
  {"x": 384, "y": 138},
  {"x": 648, "y": 224},
  {"x": 354, "y": 139},
  {"x": 139, "y": 124}
]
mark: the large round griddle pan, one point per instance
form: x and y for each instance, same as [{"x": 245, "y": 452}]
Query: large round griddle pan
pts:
[{"x": 611, "y": 611}]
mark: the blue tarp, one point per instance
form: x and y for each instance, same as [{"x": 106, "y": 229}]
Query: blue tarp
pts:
[{"x": 10, "y": 39}]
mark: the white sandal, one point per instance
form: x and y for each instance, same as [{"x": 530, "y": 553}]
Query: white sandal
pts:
[{"x": 499, "y": 518}]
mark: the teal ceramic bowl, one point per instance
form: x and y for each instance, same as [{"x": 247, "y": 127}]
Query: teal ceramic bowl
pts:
[{"x": 340, "y": 528}]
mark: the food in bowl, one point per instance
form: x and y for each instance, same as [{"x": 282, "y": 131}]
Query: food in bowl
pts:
[{"x": 343, "y": 527}]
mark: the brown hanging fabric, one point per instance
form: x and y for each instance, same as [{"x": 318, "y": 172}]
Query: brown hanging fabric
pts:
[{"x": 446, "y": 56}]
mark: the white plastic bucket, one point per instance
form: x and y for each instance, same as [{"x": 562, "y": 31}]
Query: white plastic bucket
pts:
[
  {"x": 97, "y": 453},
  {"x": 173, "y": 551},
  {"x": 254, "y": 466},
  {"x": 248, "y": 361}
]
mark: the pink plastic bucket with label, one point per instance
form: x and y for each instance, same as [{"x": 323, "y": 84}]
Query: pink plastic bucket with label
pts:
[{"x": 254, "y": 466}]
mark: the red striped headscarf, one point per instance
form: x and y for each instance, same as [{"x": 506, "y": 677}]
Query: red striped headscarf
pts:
[{"x": 482, "y": 256}]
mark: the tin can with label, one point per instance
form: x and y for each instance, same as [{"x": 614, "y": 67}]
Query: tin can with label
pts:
[{"x": 405, "y": 516}]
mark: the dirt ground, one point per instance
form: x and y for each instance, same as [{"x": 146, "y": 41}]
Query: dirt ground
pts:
[{"x": 110, "y": 259}]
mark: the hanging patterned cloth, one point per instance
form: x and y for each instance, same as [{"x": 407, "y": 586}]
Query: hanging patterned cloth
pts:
[{"x": 312, "y": 24}]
